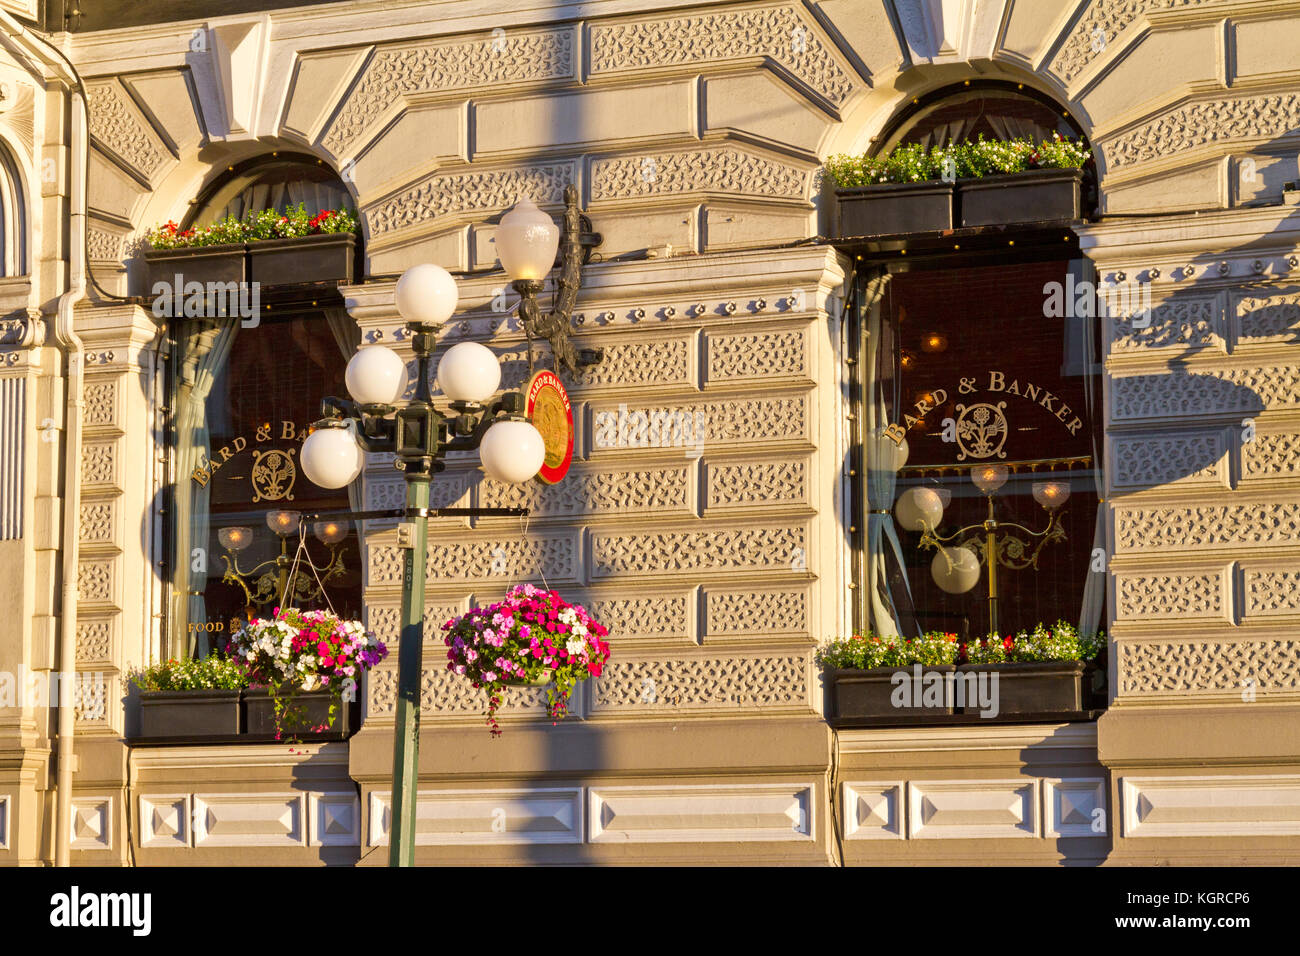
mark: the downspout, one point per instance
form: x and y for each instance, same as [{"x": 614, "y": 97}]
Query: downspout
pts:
[{"x": 67, "y": 338}]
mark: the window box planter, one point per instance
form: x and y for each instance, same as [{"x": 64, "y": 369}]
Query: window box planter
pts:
[
  {"x": 868, "y": 695},
  {"x": 191, "y": 714},
  {"x": 1052, "y": 687},
  {"x": 322, "y": 258},
  {"x": 226, "y": 263},
  {"x": 259, "y": 716},
  {"x": 892, "y": 208},
  {"x": 1036, "y": 195}
]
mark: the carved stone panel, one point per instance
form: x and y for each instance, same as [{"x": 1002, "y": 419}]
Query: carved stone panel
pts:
[
  {"x": 778, "y": 353},
  {"x": 1182, "y": 323},
  {"x": 780, "y": 548},
  {"x": 1181, "y": 667},
  {"x": 717, "y": 169},
  {"x": 513, "y": 56},
  {"x": 118, "y": 125},
  {"x": 1202, "y": 124},
  {"x": 552, "y": 554},
  {"x": 1199, "y": 391},
  {"x": 445, "y": 693},
  {"x": 721, "y": 683},
  {"x": 1194, "y": 458},
  {"x": 1173, "y": 596},
  {"x": 1102, "y": 22},
  {"x": 667, "y": 361},
  {"x": 753, "y": 484},
  {"x": 1271, "y": 455},
  {"x": 99, "y": 463},
  {"x": 592, "y": 492},
  {"x": 1271, "y": 593},
  {"x": 1267, "y": 320},
  {"x": 652, "y": 618},
  {"x": 736, "y": 615},
  {"x": 1205, "y": 527},
  {"x": 101, "y": 403},
  {"x": 781, "y": 33},
  {"x": 690, "y": 425},
  {"x": 473, "y": 192}
]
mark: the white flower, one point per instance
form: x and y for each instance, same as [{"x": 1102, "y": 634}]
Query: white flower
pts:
[
  {"x": 575, "y": 647},
  {"x": 309, "y": 682}
]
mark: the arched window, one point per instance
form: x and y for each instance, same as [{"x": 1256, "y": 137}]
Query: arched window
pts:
[
  {"x": 279, "y": 182},
  {"x": 244, "y": 390},
  {"x": 974, "y": 361},
  {"x": 13, "y": 218},
  {"x": 995, "y": 110}
]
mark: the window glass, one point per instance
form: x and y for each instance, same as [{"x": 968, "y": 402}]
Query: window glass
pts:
[
  {"x": 242, "y": 401},
  {"x": 991, "y": 377}
]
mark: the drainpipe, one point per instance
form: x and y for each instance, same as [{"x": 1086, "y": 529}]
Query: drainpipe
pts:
[{"x": 68, "y": 340}]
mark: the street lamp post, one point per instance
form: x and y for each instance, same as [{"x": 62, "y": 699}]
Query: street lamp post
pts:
[
  {"x": 418, "y": 434},
  {"x": 510, "y": 448}
]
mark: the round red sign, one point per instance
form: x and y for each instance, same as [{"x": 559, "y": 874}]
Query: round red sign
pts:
[{"x": 551, "y": 413}]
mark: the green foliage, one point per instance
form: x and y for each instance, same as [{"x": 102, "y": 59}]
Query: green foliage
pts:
[
  {"x": 869, "y": 650},
  {"x": 913, "y": 163},
  {"x": 254, "y": 227},
  {"x": 1060, "y": 642},
  {"x": 208, "y": 673}
]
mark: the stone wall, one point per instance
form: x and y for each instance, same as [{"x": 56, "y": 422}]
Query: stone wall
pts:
[{"x": 702, "y": 128}]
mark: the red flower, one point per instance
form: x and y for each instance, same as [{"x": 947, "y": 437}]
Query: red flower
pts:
[{"x": 594, "y": 669}]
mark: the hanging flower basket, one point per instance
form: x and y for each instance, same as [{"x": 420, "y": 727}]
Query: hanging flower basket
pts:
[
  {"x": 303, "y": 651},
  {"x": 532, "y": 638}
]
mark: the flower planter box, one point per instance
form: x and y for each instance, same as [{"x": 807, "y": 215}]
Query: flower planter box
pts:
[
  {"x": 322, "y": 258},
  {"x": 1036, "y": 195},
  {"x": 259, "y": 716},
  {"x": 892, "y": 208},
  {"x": 1053, "y": 687},
  {"x": 876, "y": 695},
  {"x": 204, "y": 264},
  {"x": 189, "y": 713}
]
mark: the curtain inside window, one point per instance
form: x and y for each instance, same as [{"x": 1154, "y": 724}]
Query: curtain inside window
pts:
[
  {"x": 1094, "y": 589},
  {"x": 886, "y": 594},
  {"x": 347, "y": 335},
  {"x": 207, "y": 351}
]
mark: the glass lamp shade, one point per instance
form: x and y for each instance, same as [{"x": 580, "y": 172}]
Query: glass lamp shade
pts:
[
  {"x": 1051, "y": 494},
  {"x": 426, "y": 293},
  {"x": 885, "y": 455},
  {"x": 283, "y": 523},
  {"x": 235, "y": 539},
  {"x": 330, "y": 532},
  {"x": 989, "y": 478},
  {"x": 918, "y": 509},
  {"x": 955, "y": 570},
  {"x": 376, "y": 376},
  {"x": 527, "y": 241},
  {"x": 512, "y": 451},
  {"x": 469, "y": 372},
  {"x": 945, "y": 495},
  {"x": 331, "y": 457}
]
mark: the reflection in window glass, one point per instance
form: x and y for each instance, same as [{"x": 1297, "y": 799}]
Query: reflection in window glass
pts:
[
  {"x": 998, "y": 402},
  {"x": 242, "y": 401}
]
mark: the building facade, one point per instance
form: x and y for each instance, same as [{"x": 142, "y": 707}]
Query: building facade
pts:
[{"x": 717, "y": 516}]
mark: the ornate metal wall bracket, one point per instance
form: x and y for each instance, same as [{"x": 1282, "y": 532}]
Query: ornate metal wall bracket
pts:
[{"x": 576, "y": 242}]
